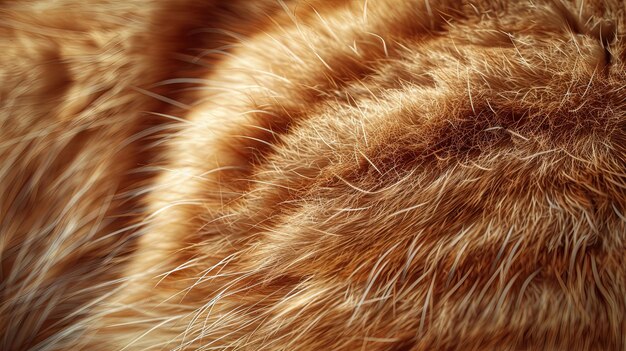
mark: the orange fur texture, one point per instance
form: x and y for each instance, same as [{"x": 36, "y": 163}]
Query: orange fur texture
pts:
[{"x": 312, "y": 175}]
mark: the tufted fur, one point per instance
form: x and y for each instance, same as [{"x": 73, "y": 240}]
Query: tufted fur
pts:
[{"x": 312, "y": 175}]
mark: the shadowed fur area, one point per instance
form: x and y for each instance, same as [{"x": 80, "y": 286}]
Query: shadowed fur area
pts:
[{"x": 312, "y": 175}]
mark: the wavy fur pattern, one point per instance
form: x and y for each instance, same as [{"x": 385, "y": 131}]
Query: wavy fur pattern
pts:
[{"x": 313, "y": 175}]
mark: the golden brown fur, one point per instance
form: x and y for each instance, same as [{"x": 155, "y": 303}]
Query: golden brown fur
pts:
[{"x": 312, "y": 175}]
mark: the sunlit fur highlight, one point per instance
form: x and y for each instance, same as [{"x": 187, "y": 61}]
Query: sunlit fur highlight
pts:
[{"x": 312, "y": 175}]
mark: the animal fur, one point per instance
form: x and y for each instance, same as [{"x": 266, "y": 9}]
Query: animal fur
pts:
[{"x": 312, "y": 175}]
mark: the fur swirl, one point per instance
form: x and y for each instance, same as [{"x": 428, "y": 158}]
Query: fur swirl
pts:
[{"x": 313, "y": 175}]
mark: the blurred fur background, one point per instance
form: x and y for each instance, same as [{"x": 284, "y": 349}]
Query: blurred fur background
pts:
[{"x": 312, "y": 175}]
